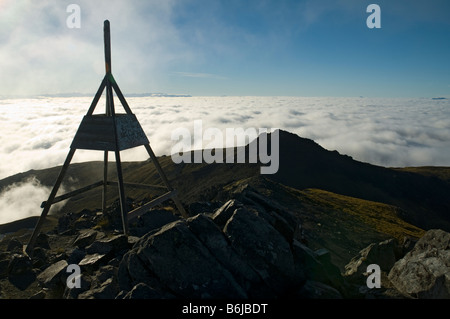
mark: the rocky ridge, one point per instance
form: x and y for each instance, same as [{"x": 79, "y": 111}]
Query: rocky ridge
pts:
[{"x": 249, "y": 246}]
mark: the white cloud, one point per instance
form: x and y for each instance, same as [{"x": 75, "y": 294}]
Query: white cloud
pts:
[
  {"x": 24, "y": 200},
  {"x": 40, "y": 54},
  {"x": 37, "y": 133}
]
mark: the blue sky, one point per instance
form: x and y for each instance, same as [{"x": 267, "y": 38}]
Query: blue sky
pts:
[{"x": 247, "y": 47}]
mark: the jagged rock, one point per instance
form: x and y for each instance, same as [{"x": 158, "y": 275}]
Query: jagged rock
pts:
[
  {"x": 54, "y": 277},
  {"x": 384, "y": 254},
  {"x": 265, "y": 249},
  {"x": 91, "y": 262},
  {"x": 203, "y": 207},
  {"x": 19, "y": 264},
  {"x": 281, "y": 224},
  {"x": 104, "y": 246},
  {"x": 102, "y": 251},
  {"x": 274, "y": 208},
  {"x": 105, "y": 272},
  {"x": 15, "y": 246},
  {"x": 424, "y": 272},
  {"x": 73, "y": 293},
  {"x": 85, "y": 238},
  {"x": 115, "y": 262},
  {"x": 75, "y": 255},
  {"x": 407, "y": 245},
  {"x": 100, "y": 284},
  {"x": 217, "y": 243},
  {"x": 132, "y": 240},
  {"x": 224, "y": 213},
  {"x": 316, "y": 266},
  {"x": 132, "y": 270},
  {"x": 39, "y": 295},
  {"x": 20, "y": 271},
  {"x": 333, "y": 274},
  {"x": 153, "y": 219},
  {"x": 274, "y": 213},
  {"x": 39, "y": 258},
  {"x": 107, "y": 290},
  {"x": 247, "y": 248},
  {"x": 164, "y": 255},
  {"x": 55, "y": 257}
]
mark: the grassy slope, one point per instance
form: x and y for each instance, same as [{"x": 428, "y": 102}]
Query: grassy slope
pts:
[
  {"x": 342, "y": 224},
  {"x": 305, "y": 164},
  {"x": 383, "y": 218},
  {"x": 440, "y": 172}
]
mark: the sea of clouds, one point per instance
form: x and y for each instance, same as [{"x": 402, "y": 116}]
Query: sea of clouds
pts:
[{"x": 393, "y": 132}]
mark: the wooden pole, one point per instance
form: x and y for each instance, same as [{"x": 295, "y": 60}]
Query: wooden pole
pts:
[
  {"x": 165, "y": 180},
  {"x": 111, "y": 112},
  {"x": 107, "y": 40},
  {"x": 146, "y": 207},
  {"x": 120, "y": 95},
  {"x": 122, "y": 198},
  {"x": 105, "y": 181},
  {"x": 73, "y": 193},
  {"x": 48, "y": 204},
  {"x": 107, "y": 111},
  {"x": 109, "y": 83},
  {"x": 97, "y": 97}
]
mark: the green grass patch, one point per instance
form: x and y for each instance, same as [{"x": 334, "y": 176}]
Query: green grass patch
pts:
[{"x": 382, "y": 217}]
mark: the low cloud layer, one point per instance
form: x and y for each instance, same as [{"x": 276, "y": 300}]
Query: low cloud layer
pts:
[
  {"x": 37, "y": 133},
  {"x": 23, "y": 200}
]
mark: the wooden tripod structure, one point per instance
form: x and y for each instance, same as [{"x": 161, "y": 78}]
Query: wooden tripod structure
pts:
[{"x": 109, "y": 132}]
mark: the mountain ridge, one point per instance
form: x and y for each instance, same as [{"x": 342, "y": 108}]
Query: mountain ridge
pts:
[
  {"x": 303, "y": 164},
  {"x": 327, "y": 206}
]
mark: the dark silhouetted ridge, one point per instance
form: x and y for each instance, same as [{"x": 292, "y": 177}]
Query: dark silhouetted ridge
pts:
[{"x": 305, "y": 164}]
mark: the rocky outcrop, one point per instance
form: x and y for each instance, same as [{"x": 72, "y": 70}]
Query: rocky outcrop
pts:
[
  {"x": 424, "y": 272},
  {"x": 168, "y": 256},
  {"x": 20, "y": 271},
  {"x": 384, "y": 254},
  {"x": 249, "y": 247},
  {"x": 266, "y": 250},
  {"x": 53, "y": 278},
  {"x": 238, "y": 252},
  {"x": 412, "y": 269}
]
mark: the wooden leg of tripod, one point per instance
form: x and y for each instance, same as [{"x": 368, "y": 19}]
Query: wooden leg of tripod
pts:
[{"x": 165, "y": 181}]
